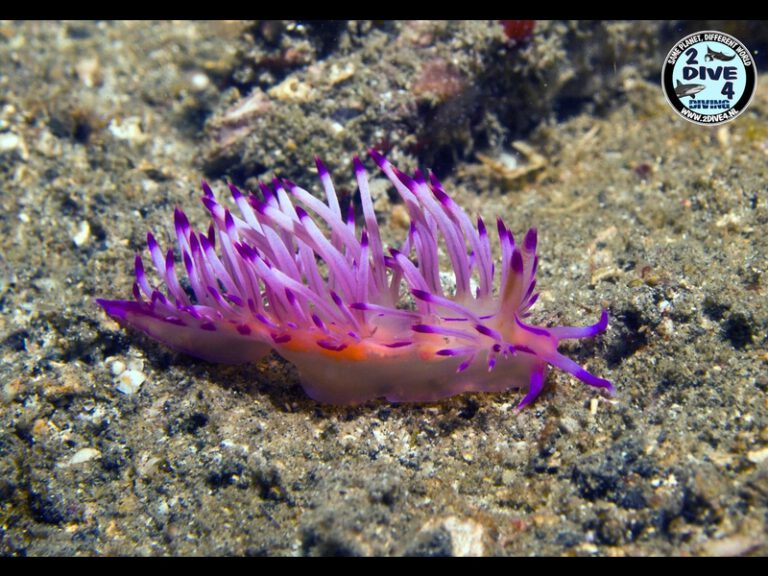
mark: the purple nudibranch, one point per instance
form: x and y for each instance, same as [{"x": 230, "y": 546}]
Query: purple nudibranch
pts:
[{"x": 291, "y": 273}]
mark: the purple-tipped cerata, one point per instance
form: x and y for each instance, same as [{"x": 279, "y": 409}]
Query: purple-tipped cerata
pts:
[{"x": 289, "y": 272}]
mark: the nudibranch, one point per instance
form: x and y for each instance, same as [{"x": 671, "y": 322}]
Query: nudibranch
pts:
[{"x": 291, "y": 273}]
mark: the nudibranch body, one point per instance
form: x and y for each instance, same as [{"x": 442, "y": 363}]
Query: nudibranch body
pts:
[{"x": 294, "y": 275}]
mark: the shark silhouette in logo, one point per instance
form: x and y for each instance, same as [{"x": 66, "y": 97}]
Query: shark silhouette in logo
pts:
[
  {"x": 682, "y": 90},
  {"x": 715, "y": 55}
]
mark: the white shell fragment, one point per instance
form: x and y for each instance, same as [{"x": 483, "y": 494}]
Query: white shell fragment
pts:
[
  {"x": 83, "y": 455},
  {"x": 130, "y": 381}
]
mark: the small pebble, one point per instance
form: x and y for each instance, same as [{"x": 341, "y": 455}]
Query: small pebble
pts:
[
  {"x": 88, "y": 70},
  {"x": 568, "y": 425},
  {"x": 758, "y": 456},
  {"x": 199, "y": 81},
  {"x": 466, "y": 536},
  {"x": 83, "y": 234},
  {"x": 128, "y": 129},
  {"x": 117, "y": 367},
  {"x": 9, "y": 142}
]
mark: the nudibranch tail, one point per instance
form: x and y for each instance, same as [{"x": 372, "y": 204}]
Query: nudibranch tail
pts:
[{"x": 289, "y": 272}]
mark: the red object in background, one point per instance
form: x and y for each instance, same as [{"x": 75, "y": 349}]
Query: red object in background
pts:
[{"x": 518, "y": 30}]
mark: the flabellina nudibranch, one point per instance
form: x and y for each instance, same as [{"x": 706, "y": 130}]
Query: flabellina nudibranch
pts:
[{"x": 292, "y": 274}]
